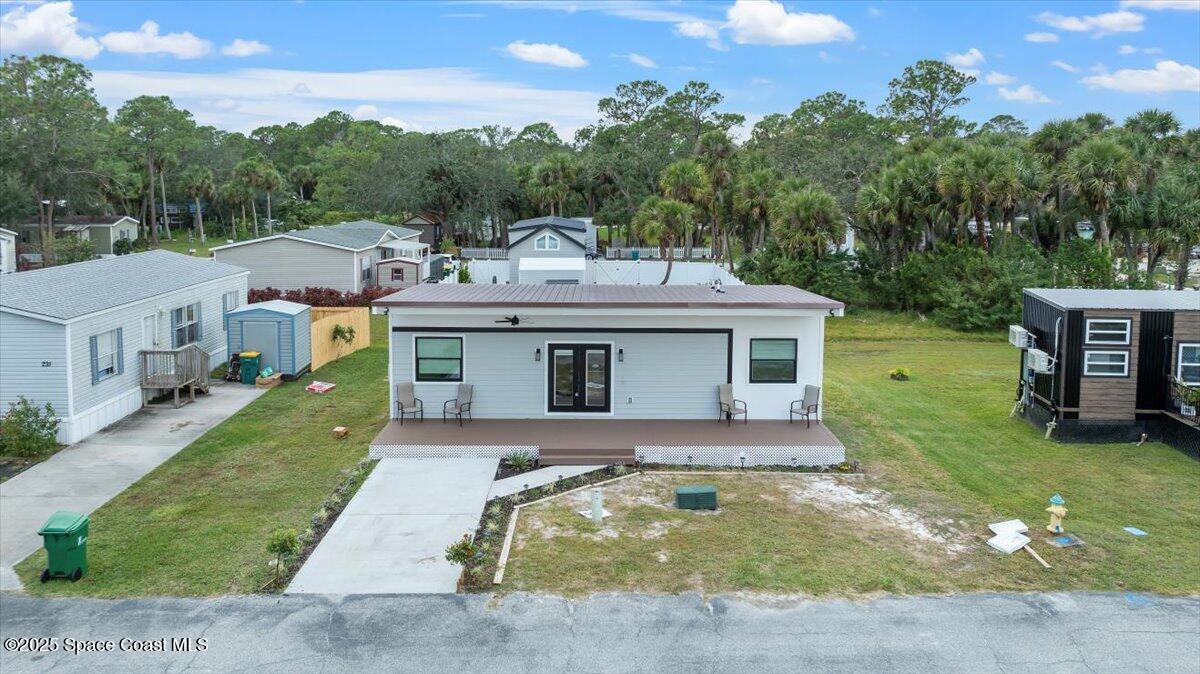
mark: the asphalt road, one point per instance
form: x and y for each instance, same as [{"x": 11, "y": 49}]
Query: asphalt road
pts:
[{"x": 619, "y": 633}]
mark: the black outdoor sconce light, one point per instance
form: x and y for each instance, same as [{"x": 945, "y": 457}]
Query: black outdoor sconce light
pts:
[
  {"x": 620, "y": 355},
  {"x": 537, "y": 355}
]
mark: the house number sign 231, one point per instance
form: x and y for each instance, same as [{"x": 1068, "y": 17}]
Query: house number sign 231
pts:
[{"x": 46, "y": 363}]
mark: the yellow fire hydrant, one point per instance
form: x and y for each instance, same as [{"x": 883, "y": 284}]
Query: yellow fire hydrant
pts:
[{"x": 1057, "y": 513}]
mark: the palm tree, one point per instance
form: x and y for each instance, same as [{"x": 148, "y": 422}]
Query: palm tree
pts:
[
  {"x": 1154, "y": 123},
  {"x": 969, "y": 178},
  {"x": 246, "y": 173},
  {"x": 664, "y": 220},
  {"x": 715, "y": 151},
  {"x": 1053, "y": 141},
  {"x": 236, "y": 194},
  {"x": 1096, "y": 171},
  {"x": 686, "y": 181},
  {"x": 198, "y": 183},
  {"x": 752, "y": 197},
  {"x": 552, "y": 181},
  {"x": 302, "y": 176},
  {"x": 806, "y": 218},
  {"x": 268, "y": 180},
  {"x": 1179, "y": 206}
]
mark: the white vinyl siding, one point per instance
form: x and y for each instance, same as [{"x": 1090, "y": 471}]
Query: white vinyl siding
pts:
[
  {"x": 1105, "y": 363},
  {"x": 1104, "y": 331},
  {"x": 525, "y": 247},
  {"x": 288, "y": 264}
]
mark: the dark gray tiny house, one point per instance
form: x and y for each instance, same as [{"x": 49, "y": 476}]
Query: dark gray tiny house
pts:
[
  {"x": 278, "y": 329},
  {"x": 1114, "y": 358}
]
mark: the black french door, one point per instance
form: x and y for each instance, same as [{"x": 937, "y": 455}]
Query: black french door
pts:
[{"x": 579, "y": 378}]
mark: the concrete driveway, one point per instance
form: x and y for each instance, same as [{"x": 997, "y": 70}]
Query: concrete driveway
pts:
[
  {"x": 392, "y": 536},
  {"x": 86, "y": 475},
  {"x": 1002, "y": 633}
]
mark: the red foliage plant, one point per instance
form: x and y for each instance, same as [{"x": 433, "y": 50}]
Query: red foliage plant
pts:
[{"x": 320, "y": 297}]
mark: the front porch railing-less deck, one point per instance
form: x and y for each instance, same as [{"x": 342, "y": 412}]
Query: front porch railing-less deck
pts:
[{"x": 186, "y": 367}]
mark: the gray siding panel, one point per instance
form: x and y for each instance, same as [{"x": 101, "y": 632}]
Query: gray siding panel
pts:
[
  {"x": 129, "y": 319},
  {"x": 543, "y": 276},
  {"x": 303, "y": 340},
  {"x": 25, "y": 343},
  {"x": 568, "y": 247},
  {"x": 287, "y": 264},
  {"x": 664, "y": 376}
]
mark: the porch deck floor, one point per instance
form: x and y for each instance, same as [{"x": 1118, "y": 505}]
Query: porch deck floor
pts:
[{"x": 610, "y": 439}]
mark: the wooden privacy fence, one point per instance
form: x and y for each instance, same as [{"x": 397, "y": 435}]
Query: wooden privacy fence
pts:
[{"x": 324, "y": 319}]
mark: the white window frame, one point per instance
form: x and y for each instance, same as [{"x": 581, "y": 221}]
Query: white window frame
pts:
[
  {"x": 1126, "y": 333},
  {"x": 398, "y": 269},
  {"x": 229, "y": 301},
  {"x": 186, "y": 323},
  {"x": 544, "y": 241},
  {"x": 1179, "y": 362},
  {"x": 364, "y": 271},
  {"x": 1124, "y": 370},
  {"x": 112, "y": 356}
]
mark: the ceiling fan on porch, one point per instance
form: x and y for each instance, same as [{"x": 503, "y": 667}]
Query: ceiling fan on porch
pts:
[{"x": 513, "y": 320}]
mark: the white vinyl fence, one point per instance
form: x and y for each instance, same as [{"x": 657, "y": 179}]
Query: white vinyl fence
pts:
[{"x": 619, "y": 272}]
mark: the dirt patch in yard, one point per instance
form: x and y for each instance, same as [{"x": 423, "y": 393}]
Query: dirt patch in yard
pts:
[{"x": 772, "y": 533}]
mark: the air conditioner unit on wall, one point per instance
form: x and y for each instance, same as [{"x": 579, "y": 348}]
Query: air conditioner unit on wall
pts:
[
  {"x": 1038, "y": 361},
  {"x": 1019, "y": 337}
]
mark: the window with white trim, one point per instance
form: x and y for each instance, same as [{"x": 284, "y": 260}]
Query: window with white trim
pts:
[
  {"x": 1108, "y": 330},
  {"x": 1187, "y": 368},
  {"x": 365, "y": 269},
  {"x": 229, "y": 301},
  {"x": 106, "y": 355},
  {"x": 397, "y": 273},
  {"x": 546, "y": 242},
  {"x": 185, "y": 325},
  {"x": 1105, "y": 363}
]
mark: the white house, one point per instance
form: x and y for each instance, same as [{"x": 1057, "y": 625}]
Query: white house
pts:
[
  {"x": 348, "y": 256},
  {"x": 654, "y": 355},
  {"x": 70, "y": 335},
  {"x": 8, "y": 251}
]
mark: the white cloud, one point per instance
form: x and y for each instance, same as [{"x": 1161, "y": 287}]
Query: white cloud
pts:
[
  {"x": 399, "y": 123},
  {"x": 147, "y": 40},
  {"x": 365, "y": 111},
  {"x": 768, "y": 22},
  {"x": 225, "y": 104},
  {"x": 549, "y": 54},
  {"x": 700, "y": 30},
  {"x": 965, "y": 62},
  {"x": 874, "y": 12},
  {"x": 1097, "y": 25},
  {"x": 1166, "y": 76},
  {"x": 242, "y": 48},
  {"x": 1062, "y": 65},
  {"x": 996, "y": 78},
  {"x": 1023, "y": 94},
  {"x": 1185, "y": 5},
  {"x": 1041, "y": 37},
  {"x": 51, "y": 28},
  {"x": 643, "y": 61},
  {"x": 1127, "y": 49},
  {"x": 430, "y": 98}
]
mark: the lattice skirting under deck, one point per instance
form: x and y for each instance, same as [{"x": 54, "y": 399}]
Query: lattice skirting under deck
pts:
[
  {"x": 732, "y": 456},
  {"x": 448, "y": 451}
]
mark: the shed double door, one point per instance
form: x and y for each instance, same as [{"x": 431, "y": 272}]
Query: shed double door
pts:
[{"x": 580, "y": 378}]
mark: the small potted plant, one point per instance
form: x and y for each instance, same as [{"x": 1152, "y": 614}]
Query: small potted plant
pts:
[{"x": 899, "y": 374}]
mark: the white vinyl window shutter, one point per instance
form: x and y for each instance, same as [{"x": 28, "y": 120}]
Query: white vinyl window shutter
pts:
[{"x": 94, "y": 358}]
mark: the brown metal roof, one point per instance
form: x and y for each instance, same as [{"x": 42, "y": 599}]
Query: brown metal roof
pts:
[{"x": 606, "y": 297}]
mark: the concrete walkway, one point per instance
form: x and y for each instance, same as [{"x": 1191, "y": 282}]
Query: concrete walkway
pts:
[
  {"x": 1002, "y": 633},
  {"x": 86, "y": 475},
  {"x": 536, "y": 478},
  {"x": 392, "y": 536}
]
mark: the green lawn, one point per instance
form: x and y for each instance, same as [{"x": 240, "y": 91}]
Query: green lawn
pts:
[
  {"x": 198, "y": 524},
  {"x": 943, "y": 447}
]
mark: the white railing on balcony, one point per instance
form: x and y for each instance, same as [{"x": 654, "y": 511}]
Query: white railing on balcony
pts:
[
  {"x": 654, "y": 253},
  {"x": 483, "y": 253}
]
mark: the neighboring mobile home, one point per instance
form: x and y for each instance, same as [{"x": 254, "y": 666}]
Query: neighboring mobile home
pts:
[
  {"x": 8, "y": 251},
  {"x": 102, "y": 230},
  {"x": 1102, "y": 365},
  {"x": 71, "y": 335},
  {"x": 348, "y": 256},
  {"x": 430, "y": 227},
  {"x": 614, "y": 353}
]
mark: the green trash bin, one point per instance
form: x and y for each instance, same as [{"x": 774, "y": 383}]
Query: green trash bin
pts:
[
  {"x": 65, "y": 537},
  {"x": 250, "y": 361}
]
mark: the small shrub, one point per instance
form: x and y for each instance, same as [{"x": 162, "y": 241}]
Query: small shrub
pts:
[
  {"x": 519, "y": 459},
  {"x": 284, "y": 544},
  {"x": 899, "y": 374},
  {"x": 344, "y": 333},
  {"x": 464, "y": 274},
  {"x": 461, "y": 552},
  {"x": 844, "y": 467},
  {"x": 123, "y": 246},
  {"x": 27, "y": 430},
  {"x": 69, "y": 249}
]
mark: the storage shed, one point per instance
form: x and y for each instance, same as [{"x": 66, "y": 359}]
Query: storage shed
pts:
[
  {"x": 1110, "y": 365},
  {"x": 277, "y": 329}
]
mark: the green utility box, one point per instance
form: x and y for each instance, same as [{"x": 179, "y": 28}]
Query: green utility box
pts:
[
  {"x": 65, "y": 537},
  {"x": 696, "y": 497},
  {"x": 250, "y": 361}
]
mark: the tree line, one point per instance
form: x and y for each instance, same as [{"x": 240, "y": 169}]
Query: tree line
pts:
[{"x": 659, "y": 167}]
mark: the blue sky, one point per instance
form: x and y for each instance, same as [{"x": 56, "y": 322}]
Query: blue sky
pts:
[{"x": 440, "y": 65}]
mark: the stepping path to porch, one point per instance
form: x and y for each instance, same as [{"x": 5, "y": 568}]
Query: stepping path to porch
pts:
[
  {"x": 536, "y": 478},
  {"x": 392, "y": 536}
]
